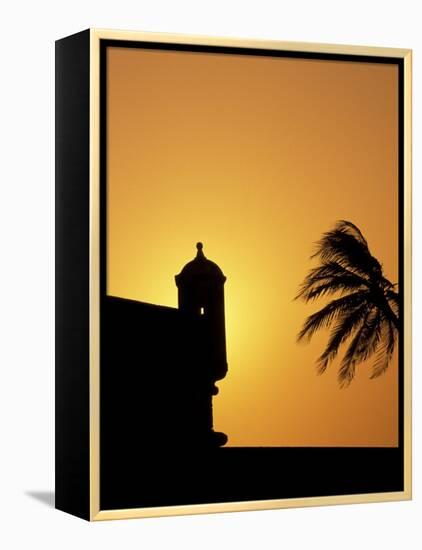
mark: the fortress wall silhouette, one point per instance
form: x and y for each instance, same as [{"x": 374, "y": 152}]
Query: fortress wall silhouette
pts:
[
  {"x": 159, "y": 366},
  {"x": 151, "y": 370}
]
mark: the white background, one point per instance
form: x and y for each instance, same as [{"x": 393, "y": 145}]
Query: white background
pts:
[{"x": 28, "y": 31}]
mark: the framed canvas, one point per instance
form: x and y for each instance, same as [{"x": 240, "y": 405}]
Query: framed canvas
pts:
[{"x": 233, "y": 280}]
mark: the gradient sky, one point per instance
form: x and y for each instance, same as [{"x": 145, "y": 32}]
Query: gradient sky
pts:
[{"x": 256, "y": 157}]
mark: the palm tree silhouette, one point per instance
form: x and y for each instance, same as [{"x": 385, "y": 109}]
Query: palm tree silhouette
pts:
[{"x": 366, "y": 312}]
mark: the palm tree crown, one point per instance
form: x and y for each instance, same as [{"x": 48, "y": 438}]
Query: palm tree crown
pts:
[{"x": 366, "y": 311}]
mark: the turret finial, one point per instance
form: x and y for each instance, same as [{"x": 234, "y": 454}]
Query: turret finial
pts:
[{"x": 199, "y": 247}]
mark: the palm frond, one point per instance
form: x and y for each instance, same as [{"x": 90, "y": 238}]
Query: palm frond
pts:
[
  {"x": 346, "y": 245},
  {"x": 348, "y": 321},
  {"x": 329, "y": 278},
  {"x": 347, "y": 368},
  {"x": 386, "y": 349},
  {"x": 377, "y": 334},
  {"x": 371, "y": 337},
  {"x": 394, "y": 301},
  {"x": 325, "y": 316},
  {"x": 353, "y": 230}
]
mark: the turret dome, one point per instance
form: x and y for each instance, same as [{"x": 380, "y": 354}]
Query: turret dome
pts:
[{"x": 200, "y": 268}]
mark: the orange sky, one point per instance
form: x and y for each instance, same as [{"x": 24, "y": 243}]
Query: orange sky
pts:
[{"x": 256, "y": 157}]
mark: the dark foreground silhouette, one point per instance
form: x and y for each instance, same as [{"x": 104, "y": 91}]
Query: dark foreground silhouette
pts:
[{"x": 159, "y": 367}]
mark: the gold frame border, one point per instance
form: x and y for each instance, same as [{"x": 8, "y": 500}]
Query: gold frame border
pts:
[{"x": 94, "y": 376}]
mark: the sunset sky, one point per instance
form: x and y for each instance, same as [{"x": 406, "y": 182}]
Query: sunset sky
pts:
[{"x": 256, "y": 157}]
